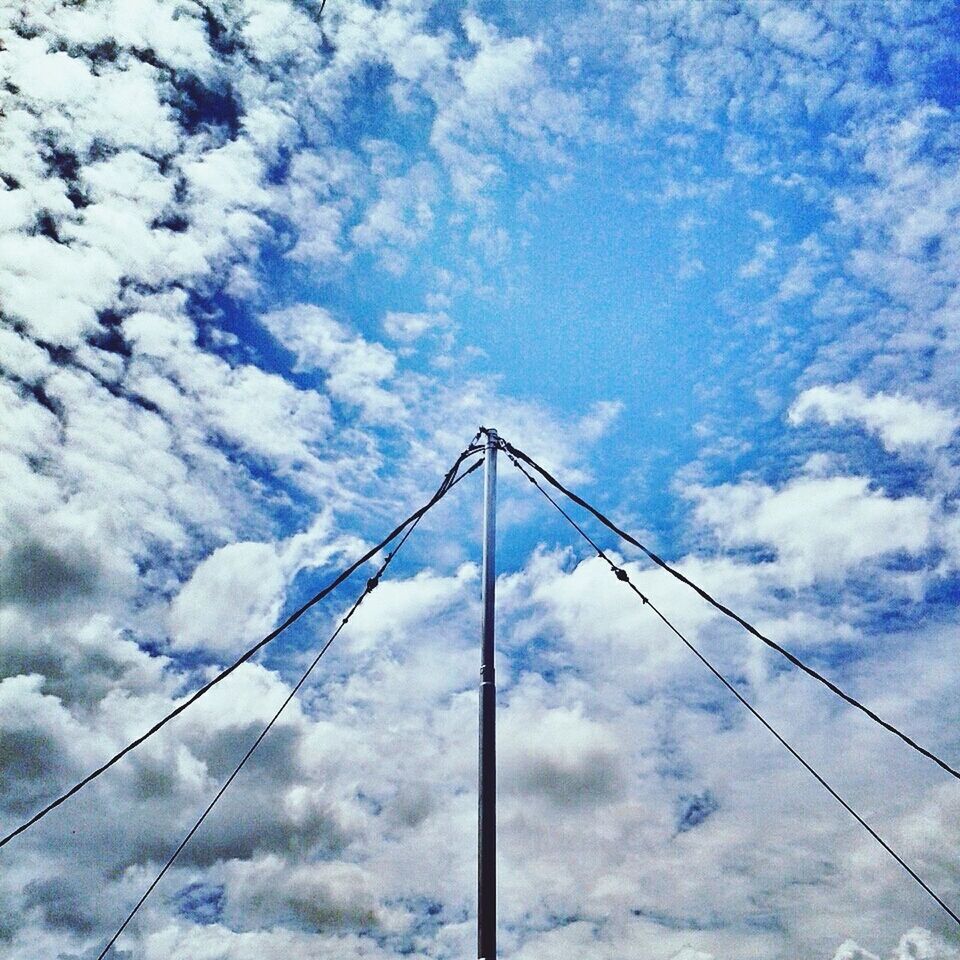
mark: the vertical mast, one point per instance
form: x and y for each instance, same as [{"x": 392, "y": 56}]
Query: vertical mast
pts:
[{"x": 487, "y": 859}]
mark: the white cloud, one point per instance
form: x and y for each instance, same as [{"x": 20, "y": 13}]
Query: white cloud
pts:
[
  {"x": 560, "y": 756},
  {"x": 318, "y": 197},
  {"x": 795, "y": 28},
  {"x": 499, "y": 65},
  {"x": 394, "y": 610},
  {"x": 234, "y": 596},
  {"x": 277, "y": 31},
  {"x": 231, "y": 600},
  {"x": 763, "y": 220},
  {"x": 175, "y": 36},
  {"x": 409, "y": 327},
  {"x": 900, "y": 422},
  {"x": 764, "y": 252},
  {"x": 321, "y": 896},
  {"x": 402, "y": 214},
  {"x": 821, "y": 528},
  {"x": 355, "y": 368},
  {"x": 158, "y": 436},
  {"x": 501, "y": 98}
]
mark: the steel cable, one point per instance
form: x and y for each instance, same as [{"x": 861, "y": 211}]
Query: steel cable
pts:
[
  {"x": 290, "y": 620},
  {"x": 624, "y": 577},
  {"x": 726, "y": 611},
  {"x": 371, "y": 585}
]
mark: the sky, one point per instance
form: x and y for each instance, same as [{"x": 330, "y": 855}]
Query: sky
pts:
[{"x": 263, "y": 272}]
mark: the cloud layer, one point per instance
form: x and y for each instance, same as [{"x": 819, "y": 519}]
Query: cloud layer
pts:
[{"x": 204, "y": 417}]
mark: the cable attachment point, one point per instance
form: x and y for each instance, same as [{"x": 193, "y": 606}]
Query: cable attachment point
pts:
[
  {"x": 499, "y": 442},
  {"x": 373, "y": 582},
  {"x": 516, "y": 463},
  {"x": 621, "y": 574}
]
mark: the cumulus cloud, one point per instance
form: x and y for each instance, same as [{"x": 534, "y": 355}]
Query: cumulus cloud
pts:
[
  {"x": 321, "y": 897},
  {"x": 179, "y": 179},
  {"x": 561, "y": 756},
  {"x": 820, "y": 528},
  {"x": 33, "y": 572},
  {"x": 234, "y": 596},
  {"x": 355, "y": 368},
  {"x": 900, "y": 422}
]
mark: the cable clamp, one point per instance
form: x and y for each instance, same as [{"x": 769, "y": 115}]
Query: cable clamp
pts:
[
  {"x": 621, "y": 574},
  {"x": 372, "y": 583}
]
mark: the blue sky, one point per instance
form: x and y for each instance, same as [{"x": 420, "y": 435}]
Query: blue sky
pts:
[{"x": 263, "y": 273}]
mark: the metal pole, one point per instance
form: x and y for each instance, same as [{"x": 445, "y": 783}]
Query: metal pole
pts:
[{"x": 487, "y": 854}]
